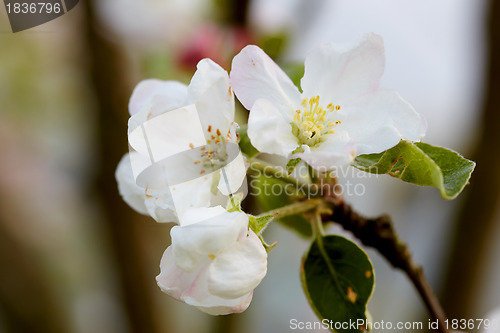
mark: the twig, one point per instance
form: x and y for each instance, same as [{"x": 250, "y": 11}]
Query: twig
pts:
[
  {"x": 293, "y": 209},
  {"x": 379, "y": 233}
]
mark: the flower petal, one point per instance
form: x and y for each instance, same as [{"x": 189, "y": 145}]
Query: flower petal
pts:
[
  {"x": 131, "y": 193},
  {"x": 233, "y": 176},
  {"x": 161, "y": 206},
  {"x": 198, "y": 241},
  {"x": 337, "y": 151},
  {"x": 200, "y": 214},
  {"x": 339, "y": 74},
  {"x": 157, "y": 96},
  {"x": 167, "y": 134},
  {"x": 191, "y": 194},
  {"x": 378, "y": 123},
  {"x": 210, "y": 91},
  {"x": 269, "y": 131},
  {"x": 172, "y": 280},
  {"x": 192, "y": 288},
  {"x": 239, "y": 269},
  {"x": 254, "y": 76}
]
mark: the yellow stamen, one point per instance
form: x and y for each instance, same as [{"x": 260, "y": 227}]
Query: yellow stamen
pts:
[
  {"x": 304, "y": 102},
  {"x": 314, "y": 120}
]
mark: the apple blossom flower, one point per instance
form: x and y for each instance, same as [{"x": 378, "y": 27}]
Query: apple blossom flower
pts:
[
  {"x": 184, "y": 150},
  {"x": 214, "y": 262},
  {"x": 342, "y": 111}
]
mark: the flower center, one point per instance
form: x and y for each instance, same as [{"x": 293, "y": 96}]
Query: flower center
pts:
[
  {"x": 214, "y": 155},
  {"x": 313, "y": 122}
]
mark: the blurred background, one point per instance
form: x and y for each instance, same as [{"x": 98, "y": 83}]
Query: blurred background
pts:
[{"x": 75, "y": 258}]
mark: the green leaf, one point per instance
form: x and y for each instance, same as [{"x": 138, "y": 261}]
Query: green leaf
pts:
[
  {"x": 267, "y": 247},
  {"x": 421, "y": 164},
  {"x": 258, "y": 224},
  {"x": 292, "y": 164},
  {"x": 272, "y": 194},
  {"x": 234, "y": 204},
  {"x": 337, "y": 277},
  {"x": 245, "y": 144}
]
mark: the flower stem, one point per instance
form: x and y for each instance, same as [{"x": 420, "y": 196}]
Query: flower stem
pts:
[
  {"x": 319, "y": 232},
  {"x": 294, "y": 209}
]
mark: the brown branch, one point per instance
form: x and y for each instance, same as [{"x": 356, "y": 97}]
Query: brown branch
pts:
[
  {"x": 111, "y": 88},
  {"x": 380, "y": 234}
]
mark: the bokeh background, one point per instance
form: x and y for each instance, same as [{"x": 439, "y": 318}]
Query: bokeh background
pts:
[{"x": 75, "y": 258}]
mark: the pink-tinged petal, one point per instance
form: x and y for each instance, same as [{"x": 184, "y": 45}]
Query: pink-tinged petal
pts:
[
  {"x": 269, "y": 131},
  {"x": 192, "y": 288},
  {"x": 233, "y": 306},
  {"x": 254, "y": 76},
  {"x": 157, "y": 96},
  {"x": 199, "y": 295},
  {"x": 238, "y": 270},
  {"x": 379, "y": 122},
  {"x": 336, "y": 152},
  {"x": 340, "y": 74},
  {"x": 172, "y": 280},
  {"x": 206, "y": 238},
  {"x": 211, "y": 92},
  {"x": 131, "y": 193}
]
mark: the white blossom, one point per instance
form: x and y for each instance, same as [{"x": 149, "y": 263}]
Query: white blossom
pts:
[
  {"x": 184, "y": 150},
  {"x": 342, "y": 111},
  {"x": 214, "y": 261}
]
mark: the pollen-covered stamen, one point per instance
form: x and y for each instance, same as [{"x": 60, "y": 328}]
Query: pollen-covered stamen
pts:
[
  {"x": 214, "y": 154},
  {"x": 313, "y": 122}
]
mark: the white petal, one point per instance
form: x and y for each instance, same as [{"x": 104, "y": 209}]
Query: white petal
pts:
[
  {"x": 232, "y": 176},
  {"x": 254, "y": 76},
  {"x": 161, "y": 206},
  {"x": 199, "y": 214},
  {"x": 210, "y": 91},
  {"x": 380, "y": 122},
  {"x": 230, "y": 306},
  {"x": 336, "y": 152},
  {"x": 131, "y": 193},
  {"x": 170, "y": 133},
  {"x": 191, "y": 194},
  {"x": 173, "y": 280},
  {"x": 239, "y": 269},
  {"x": 208, "y": 237},
  {"x": 157, "y": 96},
  {"x": 339, "y": 74},
  {"x": 192, "y": 288},
  {"x": 199, "y": 295},
  {"x": 269, "y": 131}
]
